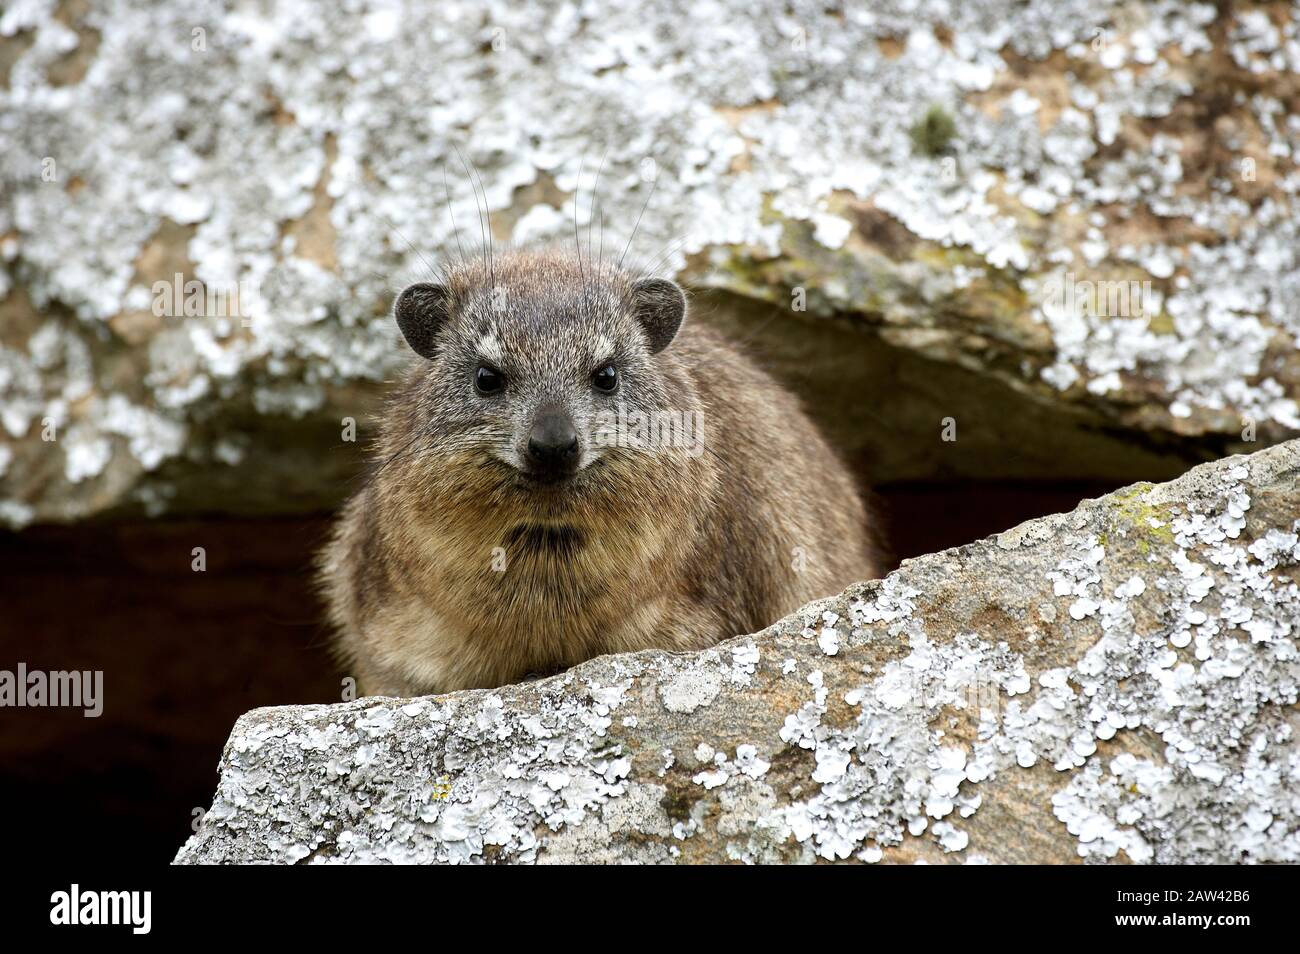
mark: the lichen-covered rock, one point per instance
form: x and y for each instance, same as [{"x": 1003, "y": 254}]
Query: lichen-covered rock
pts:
[
  {"x": 1066, "y": 224},
  {"x": 1117, "y": 683}
]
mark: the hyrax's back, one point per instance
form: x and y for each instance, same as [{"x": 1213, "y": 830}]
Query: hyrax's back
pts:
[
  {"x": 503, "y": 533},
  {"x": 791, "y": 525}
]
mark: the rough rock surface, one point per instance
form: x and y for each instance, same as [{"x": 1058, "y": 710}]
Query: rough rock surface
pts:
[
  {"x": 1117, "y": 683},
  {"x": 923, "y": 179}
]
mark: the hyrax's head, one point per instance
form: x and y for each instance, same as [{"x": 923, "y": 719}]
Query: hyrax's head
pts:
[{"x": 533, "y": 355}]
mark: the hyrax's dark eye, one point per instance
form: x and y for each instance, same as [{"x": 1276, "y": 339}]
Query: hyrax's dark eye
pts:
[
  {"x": 606, "y": 379},
  {"x": 489, "y": 380}
]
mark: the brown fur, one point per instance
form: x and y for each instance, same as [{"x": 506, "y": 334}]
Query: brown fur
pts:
[{"x": 638, "y": 551}]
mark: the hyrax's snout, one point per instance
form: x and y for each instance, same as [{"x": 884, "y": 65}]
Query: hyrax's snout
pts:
[{"x": 553, "y": 450}]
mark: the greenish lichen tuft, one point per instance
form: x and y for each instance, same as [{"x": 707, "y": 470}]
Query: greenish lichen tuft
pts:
[
  {"x": 933, "y": 135},
  {"x": 1131, "y": 511}
]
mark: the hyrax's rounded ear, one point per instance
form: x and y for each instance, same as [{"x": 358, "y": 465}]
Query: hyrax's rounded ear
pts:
[
  {"x": 421, "y": 310},
  {"x": 660, "y": 306}
]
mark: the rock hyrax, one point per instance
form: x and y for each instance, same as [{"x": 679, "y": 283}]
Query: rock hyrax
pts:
[{"x": 568, "y": 470}]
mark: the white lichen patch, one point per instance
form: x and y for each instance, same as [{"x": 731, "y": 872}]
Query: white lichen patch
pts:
[
  {"x": 511, "y": 771},
  {"x": 747, "y": 763},
  {"x": 1229, "y": 755},
  {"x": 1210, "y": 682},
  {"x": 741, "y": 137},
  {"x": 891, "y": 773},
  {"x": 693, "y": 688}
]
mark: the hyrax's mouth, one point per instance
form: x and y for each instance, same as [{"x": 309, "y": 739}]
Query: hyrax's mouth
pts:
[
  {"x": 546, "y": 478},
  {"x": 554, "y": 482},
  {"x": 540, "y": 538}
]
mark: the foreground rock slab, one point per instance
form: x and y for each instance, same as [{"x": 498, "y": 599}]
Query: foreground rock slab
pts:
[{"x": 1114, "y": 684}]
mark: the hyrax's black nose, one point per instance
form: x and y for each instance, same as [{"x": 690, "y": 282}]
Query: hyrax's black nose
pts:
[{"x": 553, "y": 443}]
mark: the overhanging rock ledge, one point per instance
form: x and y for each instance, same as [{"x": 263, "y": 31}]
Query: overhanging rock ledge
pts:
[
  {"x": 1117, "y": 683},
  {"x": 1101, "y": 255}
]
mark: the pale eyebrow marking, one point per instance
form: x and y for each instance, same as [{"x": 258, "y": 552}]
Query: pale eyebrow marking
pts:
[
  {"x": 490, "y": 348},
  {"x": 604, "y": 350}
]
